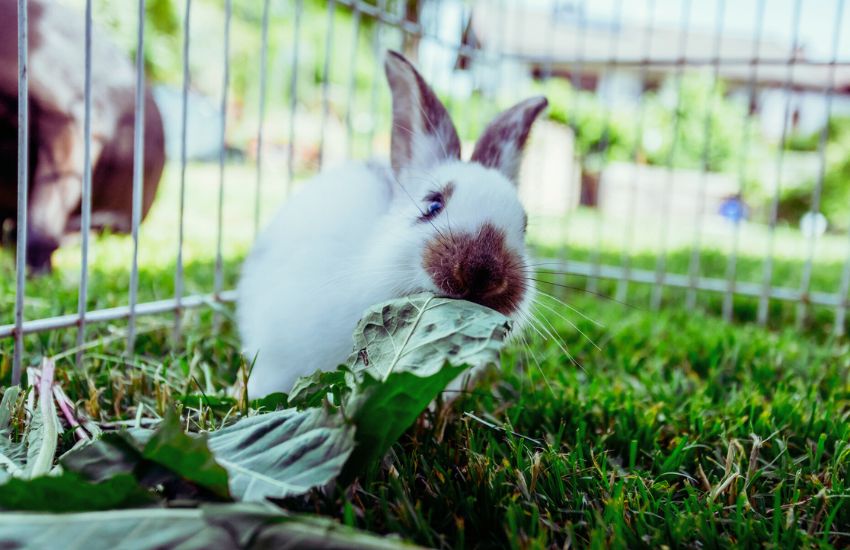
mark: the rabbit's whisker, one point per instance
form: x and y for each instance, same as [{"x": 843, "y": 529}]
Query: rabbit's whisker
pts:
[
  {"x": 586, "y": 291},
  {"x": 569, "y": 322},
  {"x": 544, "y": 323},
  {"x": 571, "y": 308},
  {"x": 528, "y": 320}
]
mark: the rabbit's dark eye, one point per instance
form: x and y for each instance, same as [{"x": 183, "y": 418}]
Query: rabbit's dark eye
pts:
[{"x": 434, "y": 205}]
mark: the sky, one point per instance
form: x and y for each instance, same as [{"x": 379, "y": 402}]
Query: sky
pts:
[{"x": 817, "y": 20}]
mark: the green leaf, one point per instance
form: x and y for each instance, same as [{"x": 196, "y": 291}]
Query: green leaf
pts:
[
  {"x": 42, "y": 437},
  {"x": 166, "y": 457},
  {"x": 271, "y": 402},
  {"x": 7, "y": 405},
  {"x": 382, "y": 411},
  {"x": 131, "y": 529},
  {"x": 69, "y": 492},
  {"x": 114, "y": 453},
  {"x": 188, "y": 456},
  {"x": 420, "y": 333},
  {"x": 12, "y": 454},
  {"x": 403, "y": 356},
  {"x": 321, "y": 533},
  {"x": 284, "y": 453},
  {"x": 212, "y": 401},
  {"x": 223, "y": 526},
  {"x": 310, "y": 391}
]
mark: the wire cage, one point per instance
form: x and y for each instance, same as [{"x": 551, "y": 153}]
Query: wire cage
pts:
[{"x": 666, "y": 118}]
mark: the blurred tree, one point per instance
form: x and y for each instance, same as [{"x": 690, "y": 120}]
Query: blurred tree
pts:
[
  {"x": 835, "y": 193},
  {"x": 708, "y": 132}
]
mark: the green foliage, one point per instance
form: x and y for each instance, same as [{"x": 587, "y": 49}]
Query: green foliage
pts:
[
  {"x": 12, "y": 454},
  {"x": 163, "y": 52},
  {"x": 400, "y": 364},
  {"x": 419, "y": 333},
  {"x": 835, "y": 192},
  {"x": 835, "y": 196},
  {"x": 384, "y": 409},
  {"x": 708, "y": 133},
  {"x": 838, "y": 131},
  {"x": 186, "y": 456},
  {"x": 402, "y": 359},
  {"x": 284, "y": 453},
  {"x": 615, "y": 454},
  {"x": 600, "y": 131},
  {"x": 167, "y": 461},
  {"x": 69, "y": 492},
  {"x": 113, "y": 454},
  {"x": 313, "y": 390},
  {"x": 226, "y": 527}
]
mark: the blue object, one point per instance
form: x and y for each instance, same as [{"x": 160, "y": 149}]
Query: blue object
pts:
[{"x": 734, "y": 209}]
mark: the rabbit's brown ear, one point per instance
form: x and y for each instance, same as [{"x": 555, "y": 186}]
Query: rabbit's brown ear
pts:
[
  {"x": 423, "y": 134},
  {"x": 501, "y": 144}
]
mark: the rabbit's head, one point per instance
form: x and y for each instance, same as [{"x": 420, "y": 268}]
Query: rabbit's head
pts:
[{"x": 462, "y": 222}]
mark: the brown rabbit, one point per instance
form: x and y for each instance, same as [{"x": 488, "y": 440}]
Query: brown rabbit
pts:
[{"x": 56, "y": 141}]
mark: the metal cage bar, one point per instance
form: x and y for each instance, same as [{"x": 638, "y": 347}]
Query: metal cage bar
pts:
[
  {"x": 326, "y": 73},
  {"x": 264, "y": 49},
  {"x": 575, "y": 81},
  {"x": 225, "y": 89},
  {"x": 352, "y": 81},
  {"x": 85, "y": 202},
  {"x": 806, "y": 277},
  {"x": 731, "y": 263},
  {"x": 293, "y": 94},
  {"x": 23, "y": 188},
  {"x": 694, "y": 263},
  {"x": 181, "y": 207},
  {"x": 138, "y": 173},
  {"x": 843, "y": 301},
  {"x": 628, "y": 240},
  {"x": 387, "y": 18},
  {"x": 661, "y": 262},
  {"x": 596, "y": 257},
  {"x": 377, "y": 44},
  {"x": 767, "y": 274}
]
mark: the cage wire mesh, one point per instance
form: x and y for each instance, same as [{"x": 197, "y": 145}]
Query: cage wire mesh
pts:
[{"x": 633, "y": 170}]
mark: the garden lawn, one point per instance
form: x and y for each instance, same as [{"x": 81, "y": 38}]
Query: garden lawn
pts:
[
  {"x": 617, "y": 426},
  {"x": 677, "y": 430}
]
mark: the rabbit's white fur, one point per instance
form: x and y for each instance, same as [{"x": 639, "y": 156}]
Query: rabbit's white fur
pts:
[
  {"x": 344, "y": 242},
  {"x": 353, "y": 237}
]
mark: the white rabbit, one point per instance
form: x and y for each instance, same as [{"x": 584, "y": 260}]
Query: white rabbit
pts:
[{"x": 366, "y": 232}]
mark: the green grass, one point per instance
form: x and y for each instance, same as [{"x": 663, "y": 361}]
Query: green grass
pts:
[
  {"x": 676, "y": 429},
  {"x": 621, "y": 446}
]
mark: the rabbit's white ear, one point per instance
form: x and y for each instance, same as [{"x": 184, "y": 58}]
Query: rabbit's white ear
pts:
[
  {"x": 423, "y": 134},
  {"x": 501, "y": 144}
]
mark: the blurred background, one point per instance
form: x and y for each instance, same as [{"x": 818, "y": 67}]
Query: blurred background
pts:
[{"x": 694, "y": 152}]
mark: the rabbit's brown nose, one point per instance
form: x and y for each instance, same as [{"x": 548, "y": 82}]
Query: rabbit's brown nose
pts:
[
  {"x": 479, "y": 277},
  {"x": 478, "y": 267}
]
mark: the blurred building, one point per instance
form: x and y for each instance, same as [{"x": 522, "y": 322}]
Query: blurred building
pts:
[{"x": 619, "y": 58}]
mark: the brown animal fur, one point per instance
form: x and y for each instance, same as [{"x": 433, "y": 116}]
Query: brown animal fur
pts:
[
  {"x": 477, "y": 267},
  {"x": 56, "y": 130}
]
